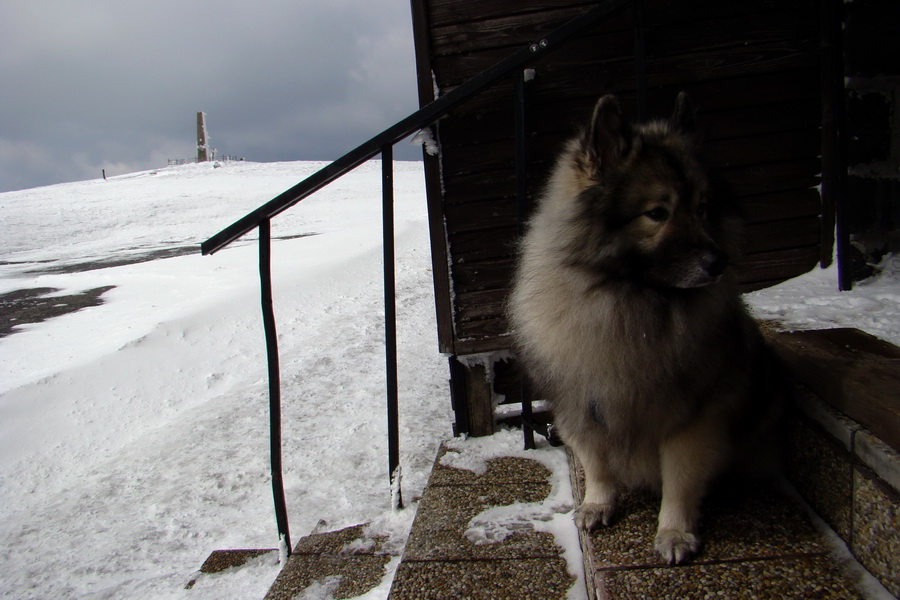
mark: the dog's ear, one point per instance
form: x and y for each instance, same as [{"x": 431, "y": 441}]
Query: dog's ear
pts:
[
  {"x": 684, "y": 117},
  {"x": 609, "y": 137}
]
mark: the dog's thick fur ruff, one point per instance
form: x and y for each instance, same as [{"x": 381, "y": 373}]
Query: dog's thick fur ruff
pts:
[{"x": 627, "y": 318}]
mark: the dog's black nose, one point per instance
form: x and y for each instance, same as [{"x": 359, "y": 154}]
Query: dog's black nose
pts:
[{"x": 714, "y": 263}]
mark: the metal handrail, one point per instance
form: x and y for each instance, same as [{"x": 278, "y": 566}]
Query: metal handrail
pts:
[{"x": 380, "y": 144}]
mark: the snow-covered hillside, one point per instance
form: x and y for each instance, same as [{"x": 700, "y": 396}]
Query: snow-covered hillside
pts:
[{"x": 133, "y": 435}]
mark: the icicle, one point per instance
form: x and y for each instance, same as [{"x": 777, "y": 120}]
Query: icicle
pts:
[
  {"x": 396, "y": 477},
  {"x": 282, "y": 551}
]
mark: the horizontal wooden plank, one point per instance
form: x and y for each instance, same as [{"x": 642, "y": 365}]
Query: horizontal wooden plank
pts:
[
  {"x": 781, "y": 235},
  {"x": 774, "y": 177},
  {"x": 448, "y": 12},
  {"x": 475, "y": 170},
  {"x": 576, "y": 101},
  {"x": 788, "y": 204},
  {"x": 855, "y": 373},
  {"x": 682, "y": 70},
  {"x": 765, "y": 148},
  {"x": 480, "y": 276},
  {"x": 483, "y": 328},
  {"x": 477, "y": 344},
  {"x": 499, "y": 156},
  {"x": 715, "y": 124},
  {"x": 750, "y": 92},
  {"x": 791, "y": 136},
  {"x": 475, "y": 247},
  {"x": 464, "y": 148},
  {"x": 753, "y": 286},
  {"x": 585, "y": 53},
  {"x": 673, "y": 12},
  {"x": 712, "y": 33},
  {"x": 779, "y": 265},
  {"x": 511, "y": 31},
  {"x": 475, "y": 187},
  {"x": 753, "y": 138},
  {"x": 493, "y": 121},
  {"x": 551, "y": 120},
  {"x": 475, "y": 306},
  {"x": 477, "y": 217}
]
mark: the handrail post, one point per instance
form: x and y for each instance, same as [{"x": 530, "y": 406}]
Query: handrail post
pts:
[
  {"x": 522, "y": 211},
  {"x": 390, "y": 323},
  {"x": 268, "y": 311}
]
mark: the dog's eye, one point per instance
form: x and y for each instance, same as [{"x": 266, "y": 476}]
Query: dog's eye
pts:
[
  {"x": 702, "y": 210},
  {"x": 658, "y": 214}
]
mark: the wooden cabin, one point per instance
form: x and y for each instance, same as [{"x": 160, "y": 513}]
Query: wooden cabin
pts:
[{"x": 759, "y": 72}]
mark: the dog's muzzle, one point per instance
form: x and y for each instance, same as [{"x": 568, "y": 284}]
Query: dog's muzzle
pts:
[
  {"x": 704, "y": 267},
  {"x": 714, "y": 263}
]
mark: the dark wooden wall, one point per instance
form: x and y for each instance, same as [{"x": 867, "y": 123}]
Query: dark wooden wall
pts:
[{"x": 752, "y": 69}]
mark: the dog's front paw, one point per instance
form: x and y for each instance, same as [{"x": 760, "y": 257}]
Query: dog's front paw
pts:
[
  {"x": 676, "y": 546},
  {"x": 590, "y": 515}
]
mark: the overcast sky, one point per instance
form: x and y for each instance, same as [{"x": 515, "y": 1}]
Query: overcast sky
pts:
[{"x": 116, "y": 84}]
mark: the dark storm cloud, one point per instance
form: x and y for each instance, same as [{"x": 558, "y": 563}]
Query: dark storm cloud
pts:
[{"x": 116, "y": 85}]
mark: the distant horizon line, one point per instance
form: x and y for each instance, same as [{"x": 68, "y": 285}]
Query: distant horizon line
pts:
[{"x": 192, "y": 161}]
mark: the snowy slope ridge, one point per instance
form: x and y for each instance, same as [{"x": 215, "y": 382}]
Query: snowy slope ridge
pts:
[{"x": 133, "y": 435}]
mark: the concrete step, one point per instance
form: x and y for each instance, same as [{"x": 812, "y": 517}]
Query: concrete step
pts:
[
  {"x": 335, "y": 564},
  {"x": 222, "y": 560},
  {"x": 758, "y": 543},
  {"x": 443, "y": 560}
]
